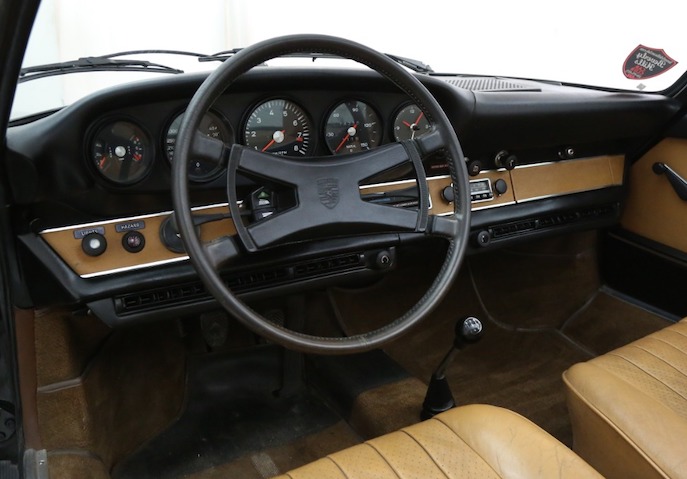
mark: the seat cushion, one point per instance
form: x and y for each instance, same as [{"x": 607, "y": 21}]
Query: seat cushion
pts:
[
  {"x": 629, "y": 407},
  {"x": 468, "y": 442}
]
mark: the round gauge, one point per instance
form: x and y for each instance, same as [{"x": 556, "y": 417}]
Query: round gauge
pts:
[
  {"x": 278, "y": 126},
  {"x": 211, "y": 125},
  {"x": 352, "y": 126},
  {"x": 121, "y": 152},
  {"x": 410, "y": 123}
]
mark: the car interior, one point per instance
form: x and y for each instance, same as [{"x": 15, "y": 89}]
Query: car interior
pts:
[{"x": 238, "y": 274}]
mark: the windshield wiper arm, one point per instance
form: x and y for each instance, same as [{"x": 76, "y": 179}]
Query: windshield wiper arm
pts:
[
  {"x": 104, "y": 63},
  {"x": 415, "y": 65}
]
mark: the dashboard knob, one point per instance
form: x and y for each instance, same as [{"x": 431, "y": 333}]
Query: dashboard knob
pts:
[
  {"x": 505, "y": 159},
  {"x": 483, "y": 238},
  {"x": 474, "y": 167},
  {"x": 93, "y": 244},
  {"x": 500, "y": 186},
  {"x": 448, "y": 195}
]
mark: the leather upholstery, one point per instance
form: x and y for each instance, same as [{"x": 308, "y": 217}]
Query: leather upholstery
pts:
[
  {"x": 468, "y": 442},
  {"x": 629, "y": 407}
]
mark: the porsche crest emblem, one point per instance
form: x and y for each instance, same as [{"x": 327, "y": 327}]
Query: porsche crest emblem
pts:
[{"x": 328, "y": 192}]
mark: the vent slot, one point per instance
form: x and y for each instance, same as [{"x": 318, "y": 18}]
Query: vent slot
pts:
[
  {"x": 488, "y": 84},
  {"x": 506, "y": 230},
  {"x": 238, "y": 283}
]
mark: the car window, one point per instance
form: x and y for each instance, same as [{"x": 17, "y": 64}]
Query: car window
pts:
[{"x": 628, "y": 46}]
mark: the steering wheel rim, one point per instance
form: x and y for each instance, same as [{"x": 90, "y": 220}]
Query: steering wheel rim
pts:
[{"x": 454, "y": 227}]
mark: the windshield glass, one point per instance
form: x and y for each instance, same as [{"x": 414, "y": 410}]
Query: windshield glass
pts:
[{"x": 630, "y": 45}]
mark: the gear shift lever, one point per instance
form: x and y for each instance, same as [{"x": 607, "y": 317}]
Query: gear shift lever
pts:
[{"x": 439, "y": 397}]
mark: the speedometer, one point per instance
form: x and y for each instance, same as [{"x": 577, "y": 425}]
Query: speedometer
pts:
[
  {"x": 278, "y": 126},
  {"x": 352, "y": 126}
]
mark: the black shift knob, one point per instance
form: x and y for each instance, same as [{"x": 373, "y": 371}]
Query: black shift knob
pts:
[{"x": 469, "y": 330}]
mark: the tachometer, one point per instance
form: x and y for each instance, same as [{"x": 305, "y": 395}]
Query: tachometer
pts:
[
  {"x": 352, "y": 126},
  {"x": 122, "y": 152},
  {"x": 278, "y": 126},
  {"x": 410, "y": 123},
  {"x": 211, "y": 125}
]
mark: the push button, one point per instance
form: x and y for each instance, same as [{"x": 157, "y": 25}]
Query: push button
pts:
[
  {"x": 133, "y": 241},
  {"x": 93, "y": 244}
]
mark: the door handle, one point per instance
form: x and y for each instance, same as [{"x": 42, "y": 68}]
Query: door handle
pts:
[{"x": 678, "y": 183}]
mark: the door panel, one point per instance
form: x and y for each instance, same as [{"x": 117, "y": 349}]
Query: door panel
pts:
[{"x": 653, "y": 209}]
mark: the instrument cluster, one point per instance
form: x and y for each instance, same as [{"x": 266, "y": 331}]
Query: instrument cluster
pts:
[{"x": 123, "y": 152}]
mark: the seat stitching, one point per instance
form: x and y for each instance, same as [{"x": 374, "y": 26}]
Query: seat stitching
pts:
[
  {"x": 671, "y": 344},
  {"x": 426, "y": 452},
  {"x": 663, "y": 360},
  {"x": 393, "y": 469},
  {"x": 468, "y": 445},
  {"x": 337, "y": 466},
  {"x": 647, "y": 373},
  {"x": 674, "y": 330}
]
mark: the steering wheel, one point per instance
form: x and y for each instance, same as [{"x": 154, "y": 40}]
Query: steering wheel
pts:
[{"x": 327, "y": 191}]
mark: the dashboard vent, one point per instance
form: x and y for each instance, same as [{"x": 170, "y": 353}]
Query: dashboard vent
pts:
[
  {"x": 554, "y": 220},
  {"x": 488, "y": 84},
  {"x": 239, "y": 283}
]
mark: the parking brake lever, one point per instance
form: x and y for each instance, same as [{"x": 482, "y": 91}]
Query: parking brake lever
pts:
[{"x": 678, "y": 183}]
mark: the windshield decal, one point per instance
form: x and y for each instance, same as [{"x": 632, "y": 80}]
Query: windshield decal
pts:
[{"x": 645, "y": 62}]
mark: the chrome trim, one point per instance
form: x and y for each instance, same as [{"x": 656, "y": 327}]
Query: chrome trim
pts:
[
  {"x": 485, "y": 207},
  {"x": 132, "y": 268}
]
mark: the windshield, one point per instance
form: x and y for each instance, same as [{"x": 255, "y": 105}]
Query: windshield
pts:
[{"x": 630, "y": 45}]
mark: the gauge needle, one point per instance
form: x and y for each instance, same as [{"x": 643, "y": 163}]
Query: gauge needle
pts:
[
  {"x": 422, "y": 113},
  {"x": 278, "y": 137},
  {"x": 350, "y": 132}
]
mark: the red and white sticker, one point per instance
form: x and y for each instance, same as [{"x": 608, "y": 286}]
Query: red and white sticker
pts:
[{"x": 645, "y": 62}]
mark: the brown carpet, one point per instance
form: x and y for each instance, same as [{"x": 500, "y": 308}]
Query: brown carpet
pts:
[
  {"x": 277, "y": 460},
  {"x": 542, "y": 308},
  {"x": 609, "y": 323}
]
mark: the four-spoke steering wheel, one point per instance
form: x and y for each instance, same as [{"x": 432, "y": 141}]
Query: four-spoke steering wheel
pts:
[{"x": 328, "y": 200}]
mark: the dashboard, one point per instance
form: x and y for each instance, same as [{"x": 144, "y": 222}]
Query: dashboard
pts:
[{"x": 91, "y": 182}]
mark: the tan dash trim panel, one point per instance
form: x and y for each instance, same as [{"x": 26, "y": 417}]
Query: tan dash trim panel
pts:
[
  {"x": 116, "y": 257},
  {"x": 523, "y": 184},
  {"x": 567, "y": 177}
]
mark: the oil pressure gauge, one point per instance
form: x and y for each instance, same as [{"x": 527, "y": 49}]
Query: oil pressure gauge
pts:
[{"x": 121, "y": 152}]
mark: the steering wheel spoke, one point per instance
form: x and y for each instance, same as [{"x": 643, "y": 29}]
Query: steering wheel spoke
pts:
[
  {"x": 209, "y": 149},
  {"x": 221, "y": 251},
  {"x": 430, "y": 142},
  {"x": 445, "y": 226}
]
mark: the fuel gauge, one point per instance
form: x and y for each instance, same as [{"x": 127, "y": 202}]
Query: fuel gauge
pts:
[{"x": 121, "y": 152}]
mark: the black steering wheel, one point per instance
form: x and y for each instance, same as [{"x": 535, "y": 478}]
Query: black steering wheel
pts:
[{"x": 327, "y": 191}]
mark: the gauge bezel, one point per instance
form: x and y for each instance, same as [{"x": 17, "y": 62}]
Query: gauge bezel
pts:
[
  {"x": 397, "y": 112},
  {"x": 370, "y": 105},
  {"x": 100, "y": 125},
  {"x": 229, "y": 140},
  {"x": 312, "y": 137}
]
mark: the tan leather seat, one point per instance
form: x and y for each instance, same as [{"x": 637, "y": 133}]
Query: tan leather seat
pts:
[
  {"x": 467, "y": 442},
  {"x": 629, "y": 407}
]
